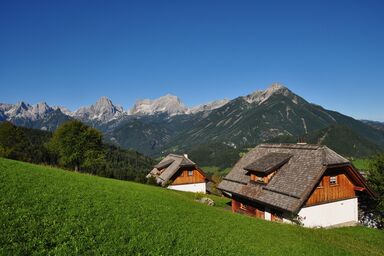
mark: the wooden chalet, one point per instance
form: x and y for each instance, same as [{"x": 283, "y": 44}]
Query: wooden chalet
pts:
[
  {"x": 311, "y": 184},
  {"x": 178, "y": 172}
]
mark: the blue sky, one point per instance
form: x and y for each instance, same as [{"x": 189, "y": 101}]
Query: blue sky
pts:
[{"x": 72, "y": 52}]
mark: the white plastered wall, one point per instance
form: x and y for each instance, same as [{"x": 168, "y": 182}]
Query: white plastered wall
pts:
[
  {"x": 267, "y": 214},
  {"x": 330, "y": 214},
  {"x": 195, "y": 187}
]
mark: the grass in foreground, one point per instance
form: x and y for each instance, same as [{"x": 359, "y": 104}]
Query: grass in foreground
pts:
[{"x": 50, "y": 211}]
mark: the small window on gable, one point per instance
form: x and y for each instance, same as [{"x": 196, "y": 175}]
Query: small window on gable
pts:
[
  {"x": 182, "y": 174},
  {"x": 190, "y": 173},
  {"x": 320, "y": 185},
  {"x": 333, "y": 180},
  {"x": 259, "y": 179},
  {"x": 243, "y": 206}
]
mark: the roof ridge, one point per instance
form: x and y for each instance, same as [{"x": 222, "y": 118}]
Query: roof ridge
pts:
[
  {"x": 290, "y": 146},
  {"x": 176, "y": 155}
]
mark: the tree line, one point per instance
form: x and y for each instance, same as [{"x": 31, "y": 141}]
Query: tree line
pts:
[{"x": 73, "y": 146}]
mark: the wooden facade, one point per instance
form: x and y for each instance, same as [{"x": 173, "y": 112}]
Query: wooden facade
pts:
[
  {"x": 335, "y": 185},
  {"x": 188, "y": 176}
]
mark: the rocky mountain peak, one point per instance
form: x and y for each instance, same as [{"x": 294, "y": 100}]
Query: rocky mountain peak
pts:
[
  {"x": 102, "y": 110},
  {"x": 63, "y": 110},
  {"x": 208, "y": 106},
  {"x": 22, "y": 105},
  {"x": 40, "y": 109},
  {"x": 260, "y": 96},
  {"x": 26, "y": 111},
  {"x": 5, "y": 107},
  {"x": 168, "y": 104},
  {"x": 276, "y": 87},
  {"x": 103, "y": 102},
  {"x": 105, "y": 106},
  {"x": 19, "y": 109}
]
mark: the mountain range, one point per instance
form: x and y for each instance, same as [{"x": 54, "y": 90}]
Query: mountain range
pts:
[{"x": 156, "y": 127}]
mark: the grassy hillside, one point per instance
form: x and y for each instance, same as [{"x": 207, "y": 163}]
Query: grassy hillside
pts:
[
  {"x": 362, "y": 163},
  {"x": 49, "y": 211}
]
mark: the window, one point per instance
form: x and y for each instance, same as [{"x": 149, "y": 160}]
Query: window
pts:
[
  {"x": 190, "y": 173},
  {"x": 320, "y": 185},
  {"x": 243, "y": 206},
  {"x": 333, "y": 180},
  {"x": 259, "y": 179}
]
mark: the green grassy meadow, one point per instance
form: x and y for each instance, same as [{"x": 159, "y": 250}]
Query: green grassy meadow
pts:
[
  {"x": 214, "y": 169},
  {"x": 48, "y": 211},
  {"x": 362, "y": 163}
]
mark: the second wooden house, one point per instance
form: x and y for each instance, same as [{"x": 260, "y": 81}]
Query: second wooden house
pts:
[{"x": 178, "y": 172}]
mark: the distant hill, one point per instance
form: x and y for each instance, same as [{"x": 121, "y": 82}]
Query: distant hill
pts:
[{"x": 46, "y": 211}]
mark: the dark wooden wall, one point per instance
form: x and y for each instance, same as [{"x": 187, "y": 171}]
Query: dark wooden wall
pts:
[{"x": 243, "y": 206}]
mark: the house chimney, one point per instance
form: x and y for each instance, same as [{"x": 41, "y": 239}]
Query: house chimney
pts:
[
  {"x": 186, "y": 156},
  {"x": 301, "y": 141}
]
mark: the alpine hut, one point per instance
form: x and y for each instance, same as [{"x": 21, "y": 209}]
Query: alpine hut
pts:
[
  {"x": 310, "y": 184},
  {"x": 178, "y": 172}
]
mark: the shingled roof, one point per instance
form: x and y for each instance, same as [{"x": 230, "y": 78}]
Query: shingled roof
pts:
[
  {"x": 299, "y": 169},
  {"x": 167, "y": 167},
  {"x": 266, "y": 164}
]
